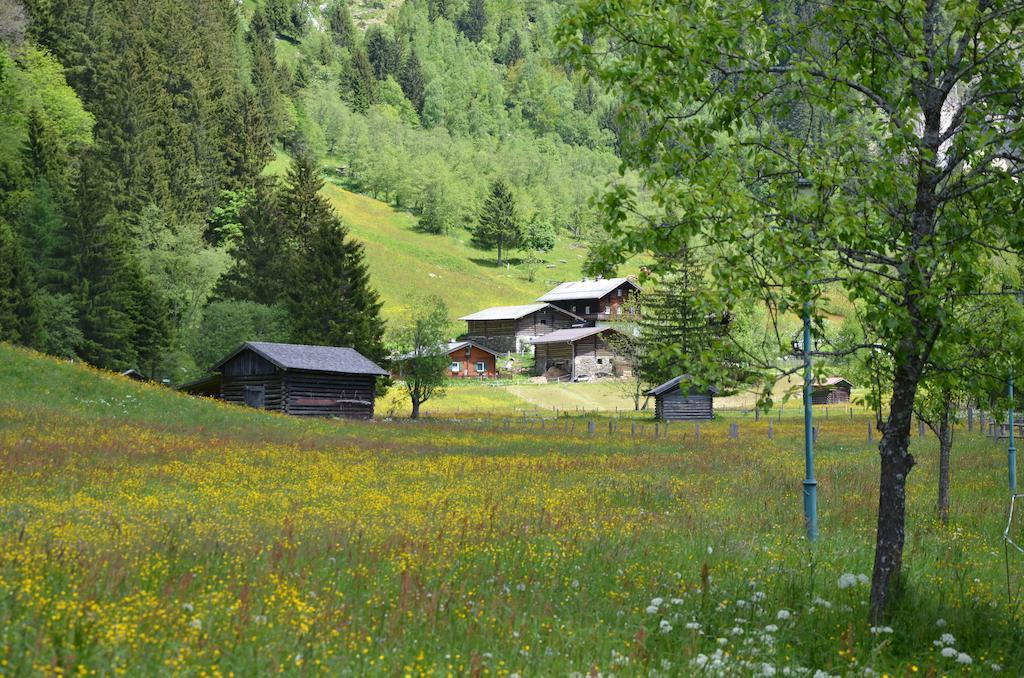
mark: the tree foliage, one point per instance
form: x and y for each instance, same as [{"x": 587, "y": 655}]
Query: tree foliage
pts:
[{"x": 421, "y": 359}]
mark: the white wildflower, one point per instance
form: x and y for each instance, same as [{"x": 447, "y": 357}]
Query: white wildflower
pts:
[
  {"x": 575, "y": 583},
  {"x": 964, "y": 658},
  {"x": 784, "y": 615},
  {"x": 771, "y": 628},
  {"x": 862, "y": 579},
  {"x": 260, "y": 618},
  {"x": 940, "y": 622},
  {"x": 693, "y": 626},
  {"x": 520, "y": 586},
  {"x": 700, "y": 660},
  {"x": 652, "y": 609},
  {"x": 847, "y": 579},
  {"x": 878, "y": 630},
  {"x": 188, "y": 607},
  {"x": 822, "y": 602},
  {"x": 996, "y": 668},
  {"x": 196, "y": 623},
  {"x": 710, "y": 550},
  {"x": 767, "y": 670},
  {"x": 298, "y": 660},
  {"x": 664, "y": 626},
  {"x": 722, "y": 641},
  {"x": 758, "y": 596},
  {"x": 676, "y": 601},
  {"x": 657, "y": 601},
  {"x": 736, "y": 631},
  {"x": 947, "y": 639},
  {"x": 949, "y": 652}
]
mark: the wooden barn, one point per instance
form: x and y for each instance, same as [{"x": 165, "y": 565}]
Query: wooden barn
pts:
[
  {"x": 324, "y": 381},
  {"x": 672, "y": 404},
  {"x": 595, "y": 300},
  {"x": 512, "y": 328},
  {"x": 579, "y": 352},
  {"x": 831, "y": 391}
]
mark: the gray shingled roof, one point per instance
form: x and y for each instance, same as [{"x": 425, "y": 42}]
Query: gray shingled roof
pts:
[
  {"x": 514, "y": 312},
  {"x": 585, "y": 289},
  {"x": 571, "y": 334},
  {"x": 833, "y": 381},
  {"x": 448, "y": 348},
  {"x": 673, "y": 384},
  {"x": 338, "y": 359}
]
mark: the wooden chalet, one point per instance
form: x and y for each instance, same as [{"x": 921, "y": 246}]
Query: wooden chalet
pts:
[
  {"x": 302, "y": 380},
  {"x": 671, "y": 403},
  {"x": 470, "y": 359},
  {"x": 594, "y": 300},
  {"x": 578, "y": 352},
  {"x": 512, "y": 328},
  {"x": 831, "y": 391}
]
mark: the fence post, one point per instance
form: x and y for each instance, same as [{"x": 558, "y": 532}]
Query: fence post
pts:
[
  {"x": 970, "y": 419},
  {"x": 871, "y": 433},
  {"x": 632, "y": 429},
  {"x": 657, "y": 429},
  {"x": 666, "y": 429},
  {"x": 591, "y": 426},
  {"x": 757, "y": 414},
  {"x": 851, "y": 414},
  {"x": 507, "y": 423},
  {"x": 920, "y": 428},
  {"x": 771, "y": 431},
  {"x": 610, "y": 426},
  {"x": 734, "y": 431},
  {"x": 814, "y": 434},
  {"x": 696, "y": 430}
]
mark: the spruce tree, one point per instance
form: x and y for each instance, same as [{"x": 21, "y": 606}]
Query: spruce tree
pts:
[
  {"x": 498, "y": 226},
  {"x": 411, "y": 80},
  {"x": 247, "y": 141},
  {"x": 264, "y": 72},
  {"x": 302, "y": 207},
  {"x": 339, "y": 21},
  {"x": 19, "y": 313},
  {"x": 257, "y": 273},
  {"x": 43, "y": 159},
  {"x": 514, "y": 51},
  {"x": 674, "y": 329},
  {"x": 473, "y": 21},
  {"x": 360, "y": 82},
  {"x": 383, "y": 52}
]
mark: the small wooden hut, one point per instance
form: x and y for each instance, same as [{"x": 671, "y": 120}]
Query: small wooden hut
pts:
[
  {"x": 831, "y": 391},
  {"x": 672, "y": 404},
  {"x": 302, "y": 380}
]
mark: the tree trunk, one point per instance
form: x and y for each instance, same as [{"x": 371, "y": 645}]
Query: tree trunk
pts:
[
  {"x": 945, "y": 435},
  {"x": 415, "y": 408},
  {"x": 896, "y": 462}
]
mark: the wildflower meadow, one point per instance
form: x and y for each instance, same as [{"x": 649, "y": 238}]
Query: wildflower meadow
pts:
[{"x": 147, "y": 533}]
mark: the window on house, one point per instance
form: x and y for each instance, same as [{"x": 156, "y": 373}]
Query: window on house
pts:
[
  {"x": 481, "y": 366},
  {"x": 469, "y": 350},
  {"x": 543, "y": 321},
  {"x": 586, "y": 310},
  {"x": 600, "y": 361},
  {"x": 454, "y": 367},
  {"x": 619, "y": 291},
  {"x": 607, "y": 310},
  {"x": 574, "y": 308}
]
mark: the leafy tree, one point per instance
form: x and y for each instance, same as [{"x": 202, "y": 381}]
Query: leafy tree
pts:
[
  {"x": 911, "y": 130},
  {"x": 498, "y": 225},
  {"x": 261, "y": 254},
  {"x": 473, "y": 21},
  {"x": 19, "y": 312},
  {"x": 438, "y": 213},
  {"x": 339, "y": 21},
  {"x": 421, "y": 345}
]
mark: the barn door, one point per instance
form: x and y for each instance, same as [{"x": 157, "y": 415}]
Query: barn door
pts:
[{"x": 255, "y": 395}]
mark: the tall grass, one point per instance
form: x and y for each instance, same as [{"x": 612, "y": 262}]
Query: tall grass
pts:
[{"x": 149, "y": 533}]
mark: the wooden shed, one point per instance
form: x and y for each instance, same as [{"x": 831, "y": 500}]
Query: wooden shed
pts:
[
  {"x": 582, "y": 353},
  {"x": 302, "y": 380},
  {"x": 671, "y": 403},
  {"x": 831, "y": 391}
]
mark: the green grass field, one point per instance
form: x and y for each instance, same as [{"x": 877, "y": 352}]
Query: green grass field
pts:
[{"x": 149, "y": 533}]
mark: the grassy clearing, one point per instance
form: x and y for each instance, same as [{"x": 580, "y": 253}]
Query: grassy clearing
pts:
[{"x": 146, "y": 532}]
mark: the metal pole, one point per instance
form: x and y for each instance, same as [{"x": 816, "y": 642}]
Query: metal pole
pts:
[
  {"x": 810, "y": 484},
  {"x": 1011, "y": 451}
]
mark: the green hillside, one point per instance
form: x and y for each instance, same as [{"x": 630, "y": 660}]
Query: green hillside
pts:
[{"x": 406, "y": 264}]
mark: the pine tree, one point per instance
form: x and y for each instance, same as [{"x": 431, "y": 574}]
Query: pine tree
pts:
[
  {"x": 473, "y": 21},
  {"x": 498, "y": 225},
  {"x": 339, "y": 21},
  {"x": 514, "y": 51},
  {"x": 264, "y": 72},
  {"x": 19, "y": 313},
  {"x": 247, "y": 142},
  {"x": 257, "y": 273},
  {"x": 301, "y": 205},
  {"x": 385, "y": 54},
  {"x": 411, "y": 80},
  {"x": 42, "y": 156},
  {"x": 361, "y": 84},
  {"x": 437, "y": 9},
  {"x": 673, "y": 326}
]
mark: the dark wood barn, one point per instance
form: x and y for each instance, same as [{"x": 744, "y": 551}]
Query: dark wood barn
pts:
[
  {"x": 512, "y": 328},
  {"x": 595, "y": 300},
  {"x": 295, "y": 379},
  {"x": 672, "y": 404},
  {"x": 831, "y": 391},
  {"x": 581, "y": 353}
]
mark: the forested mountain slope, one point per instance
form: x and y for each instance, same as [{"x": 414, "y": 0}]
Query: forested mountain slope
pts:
[{"x": 140, "y": 228}]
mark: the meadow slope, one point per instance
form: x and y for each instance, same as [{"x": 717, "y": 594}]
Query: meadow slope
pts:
[{"x": 149, "y": 533}]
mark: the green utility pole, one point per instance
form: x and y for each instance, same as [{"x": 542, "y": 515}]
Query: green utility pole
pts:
[
  {"x": 810, "y": 484},
  {"x": 1011, "y": 451}
]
